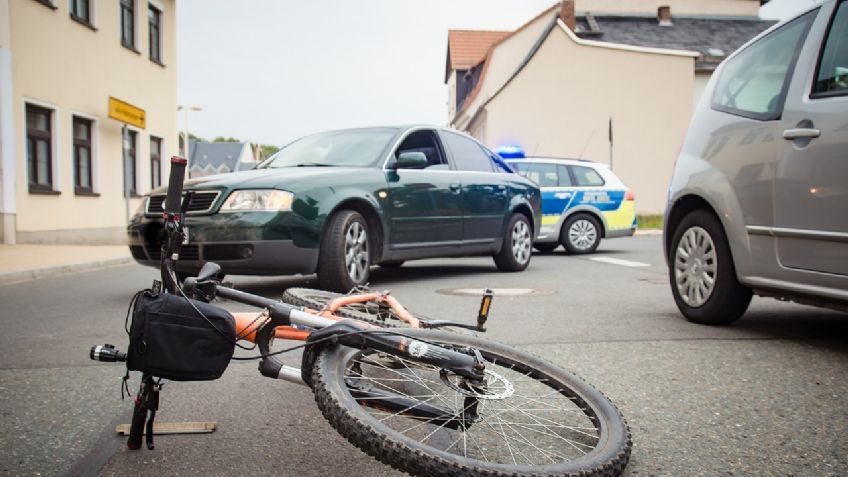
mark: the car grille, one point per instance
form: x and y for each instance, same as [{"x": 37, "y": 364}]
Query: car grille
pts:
[
  {"x": 189, "y": 253},
  {"x": 201, "y": 202}
]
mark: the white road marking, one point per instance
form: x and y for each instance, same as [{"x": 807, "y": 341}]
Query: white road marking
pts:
[{"x": 617, "y": 261}]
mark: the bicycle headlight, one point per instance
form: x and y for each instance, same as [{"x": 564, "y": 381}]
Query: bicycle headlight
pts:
[{"x": 258, "y": 200}]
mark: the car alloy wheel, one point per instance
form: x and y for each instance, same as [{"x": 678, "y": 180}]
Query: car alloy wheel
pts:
[
  {"x": 522, "y": 242},
  {"x": 356, "y": 252},
  {"x": 582, "y": 234},
  {"x": 516, "y": 246},
  {"x": 695, "y": 267}
]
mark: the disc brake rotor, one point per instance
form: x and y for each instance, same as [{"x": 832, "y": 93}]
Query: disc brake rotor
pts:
[{"x": 496, "y": 387}]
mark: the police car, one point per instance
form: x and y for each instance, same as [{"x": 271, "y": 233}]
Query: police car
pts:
[{"x": 582, "y": 202}]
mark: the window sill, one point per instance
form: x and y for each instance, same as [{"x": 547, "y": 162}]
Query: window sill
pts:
[
  {"x": 86, "y": 193},
  {"x": 131, "y": 48},
  {"x": 42, "y": 191},
  {"x": 48, "y": 4},
  {"x": 83, "y": 22},
  {"x": 158, "y": 62}
]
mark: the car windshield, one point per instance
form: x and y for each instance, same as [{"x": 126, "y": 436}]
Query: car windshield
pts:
[{"x": 346, "y": 148}]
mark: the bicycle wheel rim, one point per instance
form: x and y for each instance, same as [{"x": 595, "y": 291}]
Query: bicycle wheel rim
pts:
[{"x": 498, "y": 453}]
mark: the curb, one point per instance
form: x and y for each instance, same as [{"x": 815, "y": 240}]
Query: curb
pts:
[
  {"x": 28, "y": 275},
  {"x": 649, "y": 232}
]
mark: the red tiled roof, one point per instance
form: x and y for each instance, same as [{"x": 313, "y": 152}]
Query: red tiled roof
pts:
[{"x": 467, "y": 48}]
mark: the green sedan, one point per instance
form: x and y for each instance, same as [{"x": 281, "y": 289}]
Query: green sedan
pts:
[{"x": 336, "y": 203}]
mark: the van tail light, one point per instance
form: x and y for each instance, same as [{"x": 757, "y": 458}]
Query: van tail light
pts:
[{"x": 629, "y": 195}]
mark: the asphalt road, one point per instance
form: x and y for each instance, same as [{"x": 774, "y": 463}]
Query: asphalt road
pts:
[{"x": 765, "y": 396}]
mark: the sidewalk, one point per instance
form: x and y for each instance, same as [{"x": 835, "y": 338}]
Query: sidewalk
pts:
[{"x": 24, "y": 262}]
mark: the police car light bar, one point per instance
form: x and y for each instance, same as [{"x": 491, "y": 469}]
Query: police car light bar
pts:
[{"x": 511, "y": 152}]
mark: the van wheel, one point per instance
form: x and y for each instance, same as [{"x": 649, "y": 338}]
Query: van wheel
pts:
[
  {"x": 344, "y": 260},
  {"x": 581, "y": 234},
  {"x": 702, "y": 274}
]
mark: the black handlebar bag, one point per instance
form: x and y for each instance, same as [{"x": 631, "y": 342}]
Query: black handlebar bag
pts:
[{"x": 180, "y": 339}]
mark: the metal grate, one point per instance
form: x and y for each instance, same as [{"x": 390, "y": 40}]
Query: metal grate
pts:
[
  {"x": 188, "y": 252},
  {"x": 201, "y": 202}
]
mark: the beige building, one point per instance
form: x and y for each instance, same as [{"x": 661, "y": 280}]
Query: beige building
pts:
[
  {"x": 73, "y": 74},
  {"x": 613, "y": 81}
]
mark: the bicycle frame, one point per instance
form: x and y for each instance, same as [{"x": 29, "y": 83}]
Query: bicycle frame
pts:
[{"x": 276, "y": 322}]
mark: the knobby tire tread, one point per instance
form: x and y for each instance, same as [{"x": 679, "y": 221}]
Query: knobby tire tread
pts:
[{"x": 384, "y": 448}]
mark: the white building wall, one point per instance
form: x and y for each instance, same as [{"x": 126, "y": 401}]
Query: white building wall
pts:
[
  {"x": 554, "y": 109},
  {"x": 73, "y": 69},
  {"x": 503, "y": 62}
]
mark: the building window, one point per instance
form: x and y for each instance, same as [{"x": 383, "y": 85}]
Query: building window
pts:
[
  {"x": 154, "y": 18},
  {"x": 39, "y": 148},
  {"x": 155, "y": 162},
  {"x": 128, "y": 23},
  {"x": 82, "y": 156},
  {"x": 81, "y": 11},
  {"x": 130, "y": 149}
]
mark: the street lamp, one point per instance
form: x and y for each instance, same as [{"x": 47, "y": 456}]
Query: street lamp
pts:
[{"x": 185, "y": 110}]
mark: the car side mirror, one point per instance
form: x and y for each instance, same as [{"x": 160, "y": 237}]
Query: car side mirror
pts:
[{"x": 411, "y": 160}]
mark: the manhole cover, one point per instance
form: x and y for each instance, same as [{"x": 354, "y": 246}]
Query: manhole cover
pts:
[{"x": 497, "y": 291}]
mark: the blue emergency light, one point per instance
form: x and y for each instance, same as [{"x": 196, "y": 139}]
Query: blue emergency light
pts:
[{"x": 511, "y": 152}]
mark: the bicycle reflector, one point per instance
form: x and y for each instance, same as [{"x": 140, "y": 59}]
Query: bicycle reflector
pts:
[{"x": 485, "y": 305}]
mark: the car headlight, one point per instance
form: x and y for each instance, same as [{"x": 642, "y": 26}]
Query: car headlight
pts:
[{"x": 263, "y": 200}]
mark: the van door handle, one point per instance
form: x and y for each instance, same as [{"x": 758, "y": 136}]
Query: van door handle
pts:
[{"x": 801, "y": 133}]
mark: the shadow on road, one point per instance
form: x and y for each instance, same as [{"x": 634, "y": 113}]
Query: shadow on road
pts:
[{"x": 823, "y": 328}]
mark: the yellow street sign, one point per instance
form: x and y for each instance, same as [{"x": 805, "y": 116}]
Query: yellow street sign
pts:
[{"x": 127, "y": 113}]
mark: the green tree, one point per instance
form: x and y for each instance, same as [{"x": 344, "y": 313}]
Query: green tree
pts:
[
  {"x": 225, "y": 139},
  {"x": 267, "y": 150}
]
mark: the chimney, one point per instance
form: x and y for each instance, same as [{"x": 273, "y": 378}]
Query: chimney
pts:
[
  {"x": 566, "y": 13},
  {"x": 664, "y": 16}
]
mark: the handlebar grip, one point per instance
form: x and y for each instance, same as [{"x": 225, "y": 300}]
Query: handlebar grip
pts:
[
  {"x": 137, "y": 425},
  {"x": 175, "y": 185}
]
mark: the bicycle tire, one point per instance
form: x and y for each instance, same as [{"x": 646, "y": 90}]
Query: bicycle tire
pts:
[
  {"x": 389, "y": 437},
  {"x": 318, "y": 299}
]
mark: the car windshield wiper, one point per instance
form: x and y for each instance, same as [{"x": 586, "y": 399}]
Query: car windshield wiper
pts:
[{"x": 312, "y": 164}]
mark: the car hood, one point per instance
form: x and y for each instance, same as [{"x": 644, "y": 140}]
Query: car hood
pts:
[{"x": 287, "y": 178}]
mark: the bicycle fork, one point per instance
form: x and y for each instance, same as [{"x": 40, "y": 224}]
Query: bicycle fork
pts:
[{"x": 466, "y": 366}]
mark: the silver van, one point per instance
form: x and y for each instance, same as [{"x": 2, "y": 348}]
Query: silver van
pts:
[{"x": 758, "y": 201}]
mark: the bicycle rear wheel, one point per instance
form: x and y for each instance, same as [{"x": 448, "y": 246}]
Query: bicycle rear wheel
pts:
[
  {"x": 371, "y": 312},
  {"x": 532, "y": 418}
]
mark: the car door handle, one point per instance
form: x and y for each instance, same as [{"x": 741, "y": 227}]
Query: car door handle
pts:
[
  {"x": 801, "y": 133},
  {"x": 455, "y": 188}
]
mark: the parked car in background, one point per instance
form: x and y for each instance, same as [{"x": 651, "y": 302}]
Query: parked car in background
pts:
[
  {"x": 338, "y": 202},
  {"x": 582, "y": 203},
  {"x": 758, "y": 201}
]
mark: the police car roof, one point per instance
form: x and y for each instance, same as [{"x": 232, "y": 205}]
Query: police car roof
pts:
[{"x": 552, "y": 159}]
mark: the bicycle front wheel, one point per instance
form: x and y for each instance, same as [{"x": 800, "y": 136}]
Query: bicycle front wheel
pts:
[{"x": 531, "y": 418}]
